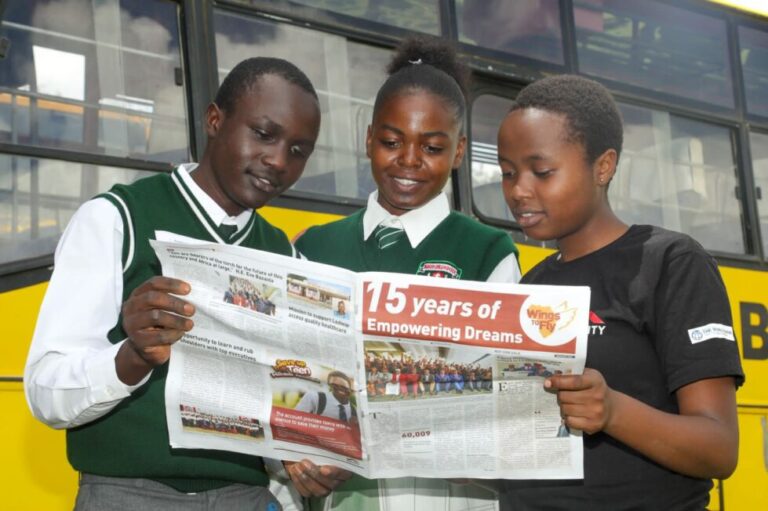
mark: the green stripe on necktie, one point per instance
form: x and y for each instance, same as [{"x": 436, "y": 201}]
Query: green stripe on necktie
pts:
[{"x": 388, "y": 236}]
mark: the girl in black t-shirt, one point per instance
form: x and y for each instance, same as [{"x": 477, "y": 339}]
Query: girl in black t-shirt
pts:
[{"x": 657, "y": 398}]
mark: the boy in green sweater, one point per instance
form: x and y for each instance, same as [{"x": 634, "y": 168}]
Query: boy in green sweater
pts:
[{"x": 97, "y": 364}]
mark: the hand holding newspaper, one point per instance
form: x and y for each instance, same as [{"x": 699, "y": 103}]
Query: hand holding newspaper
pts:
[{"x": 386, "y": 375}]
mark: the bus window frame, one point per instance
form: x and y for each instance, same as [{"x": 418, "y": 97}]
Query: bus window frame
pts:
[{"x": 494, "y": 72}]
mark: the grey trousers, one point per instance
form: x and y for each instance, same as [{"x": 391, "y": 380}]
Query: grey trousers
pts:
[{"x": 98, "y": 493}]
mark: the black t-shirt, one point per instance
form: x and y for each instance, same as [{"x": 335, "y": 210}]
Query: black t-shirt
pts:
[{"x": 659, "y": 320}]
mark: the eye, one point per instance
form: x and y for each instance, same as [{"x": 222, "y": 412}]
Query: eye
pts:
[
  {"x": 433, "y": 149},
  {"x": 507, "y": 174},
  {"x": 262, "y": 134},
  {"x": 297, "y": 150},
  {"x": 389, "y": 143},
  {"x": 543, "y": 173}
]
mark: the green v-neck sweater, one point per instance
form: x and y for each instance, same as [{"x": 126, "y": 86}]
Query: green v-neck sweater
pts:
[
  {"x": 459, "y": 247},
  {"x": 132, "y": 439}
]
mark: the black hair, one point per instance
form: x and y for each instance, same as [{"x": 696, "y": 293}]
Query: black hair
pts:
[
  {"x": 339, "y": 374},
  {"x": 593, "y": 119},
  {"x": 429, "y": 64},
  {"x": 247, "y": 73}
]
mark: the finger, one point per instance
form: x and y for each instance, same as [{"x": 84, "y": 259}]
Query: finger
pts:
[
  {"x": 153, "y": 299},
  {"x": 335, "y": 473},
  {"x": 154, "y": 322},
  {"x": 299, "y": 485},
  {"x": 329, "y": 477},
  {"x": 570, "y": 382},
  {"x": 165, "y": 284},
  {"x": 305, "y": 481},
  {"x": 149, "y": 337}
]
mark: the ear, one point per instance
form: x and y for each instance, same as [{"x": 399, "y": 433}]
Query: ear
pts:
[
  {"x": 369, "y": 141},
  {"x": 460, "y": 148},
  {"x": 214, "y": 116},
  {"x": 605, "y": 167}
]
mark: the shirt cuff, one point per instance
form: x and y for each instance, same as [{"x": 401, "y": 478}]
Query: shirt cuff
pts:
[
  {"x": 276, "y": 468},
  {"x": 103, "y": 379}
]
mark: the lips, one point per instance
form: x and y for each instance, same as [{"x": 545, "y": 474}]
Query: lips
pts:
[
  {"x": 527, "y": 219},
  {"x": 263, "y": 184},
  {"x": 405, "y": 184}
]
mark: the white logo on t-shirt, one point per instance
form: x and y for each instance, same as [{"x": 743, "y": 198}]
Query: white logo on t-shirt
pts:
[{"x": 711, "y": 331}]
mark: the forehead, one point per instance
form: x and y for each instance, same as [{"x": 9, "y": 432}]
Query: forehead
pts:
[
  {"x": 338, "y": 380},
  {"x": 417, "y": 109},
  {"x": 528, "y": 127},
  {"x": 282, "y": 101}
]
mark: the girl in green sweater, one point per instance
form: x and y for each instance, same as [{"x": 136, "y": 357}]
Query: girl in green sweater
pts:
[{"x": 414, "y": 142}]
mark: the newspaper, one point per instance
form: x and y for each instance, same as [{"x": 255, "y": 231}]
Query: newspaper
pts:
[{"x": 386, "y": 375}]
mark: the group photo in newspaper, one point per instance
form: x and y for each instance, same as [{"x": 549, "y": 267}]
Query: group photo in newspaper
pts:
[{"x": 386, "y": 375}]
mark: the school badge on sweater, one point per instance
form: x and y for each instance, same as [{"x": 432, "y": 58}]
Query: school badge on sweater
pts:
[{"x": 440, "y": 269}]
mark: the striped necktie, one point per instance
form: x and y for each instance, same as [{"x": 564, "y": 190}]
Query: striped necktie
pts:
[{"x": 388, "y": 236}]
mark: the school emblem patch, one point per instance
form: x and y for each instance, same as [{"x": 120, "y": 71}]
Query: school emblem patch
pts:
[{"x": 440, "y": 269}]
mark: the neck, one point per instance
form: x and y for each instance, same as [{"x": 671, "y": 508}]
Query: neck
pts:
[{"x": 598, "y": 234}]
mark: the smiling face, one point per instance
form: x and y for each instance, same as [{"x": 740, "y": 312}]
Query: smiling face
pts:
[
  {"x": 550, "y": 188},
  {"x": 259, "y": 149},
  {"x": 340, "y": 389},
  {"x": 414, "y": 142}
]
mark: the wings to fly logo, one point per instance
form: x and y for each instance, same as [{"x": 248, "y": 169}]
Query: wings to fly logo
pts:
[{"x": 548, "y": 321}]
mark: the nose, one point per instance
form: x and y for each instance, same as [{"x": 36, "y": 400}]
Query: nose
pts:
[
  {"x": 276, "y": 156},
  {"x": 515, "y": 189},
  {"x": 409, "y": 156}
]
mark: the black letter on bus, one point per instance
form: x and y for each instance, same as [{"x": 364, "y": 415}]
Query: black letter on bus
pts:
[{"x": 751, "y": 330}]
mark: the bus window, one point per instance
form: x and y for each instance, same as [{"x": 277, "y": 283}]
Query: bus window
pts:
[
  {"x": 418, "y": 15},
  {"x": 95, "y": 77},
  {"x": 655, "y": 46},
  {"x": 530, "y": 28},
  {"x": 680, "y": 174},
  {"x": 487, "y": 113},
  {"x": 347, "y": 77},
  {"x": 38, "y": 197},
  {"x": 673, "y": 172},
  {"x": 754, "y": 61},
  {"x": 759, "y": 145}
]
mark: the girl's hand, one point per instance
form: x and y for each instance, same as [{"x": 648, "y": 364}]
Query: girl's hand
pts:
[
  {"x": 315, "y": 481},
  {"x": 585, "y": 400}
]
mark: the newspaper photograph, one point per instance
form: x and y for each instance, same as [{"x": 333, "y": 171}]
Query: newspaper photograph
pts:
[{"x": 386, "y": 375}]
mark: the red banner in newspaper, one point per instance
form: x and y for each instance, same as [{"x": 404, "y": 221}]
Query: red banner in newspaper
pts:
[
  {"x": 316, "y": 430},
  {"x": 464, "y": 316}
]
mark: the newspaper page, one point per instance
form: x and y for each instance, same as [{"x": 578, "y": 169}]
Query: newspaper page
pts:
[
  {"x": 386, "y": 375},
  {"x": 454, "y": 374},
  {"x": 273, "y": 339}
]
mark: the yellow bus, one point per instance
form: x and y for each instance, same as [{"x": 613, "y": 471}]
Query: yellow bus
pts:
[{"x": 96, "y": 93}]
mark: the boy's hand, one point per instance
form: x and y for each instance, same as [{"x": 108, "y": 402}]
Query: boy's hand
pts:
[
  {"x": 153, "y": 319},
  {"x": 313, "y": 481},
  {"x": 585, "y": 400}
]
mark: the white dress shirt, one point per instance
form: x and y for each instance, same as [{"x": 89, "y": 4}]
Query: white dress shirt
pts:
[
  {"x": 419, "y": 222},
  {"x": 70, "y": 377}
]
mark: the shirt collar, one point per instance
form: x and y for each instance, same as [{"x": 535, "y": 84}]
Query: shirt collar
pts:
[
  {"x": 212, "y": 209},
  {"x": 417, "y": 223}
]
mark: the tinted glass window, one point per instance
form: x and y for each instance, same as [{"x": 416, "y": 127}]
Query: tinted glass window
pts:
[
  {"x": 418, "y": 15},
  {"x": 754, "y": 62},
  {"x": 530, "y": 28},
  {"x": 656, "y": 46},
  {"x": 674, "y": 172},
  {"x": 95, "y": 77},
  {"x": 760, "y": 170},
  {"x": 680, "y": 174},
  {"x": 487, "y": 114},
  {"x": 346, "y": 75},
  {"x": 39, "y": 196}
]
